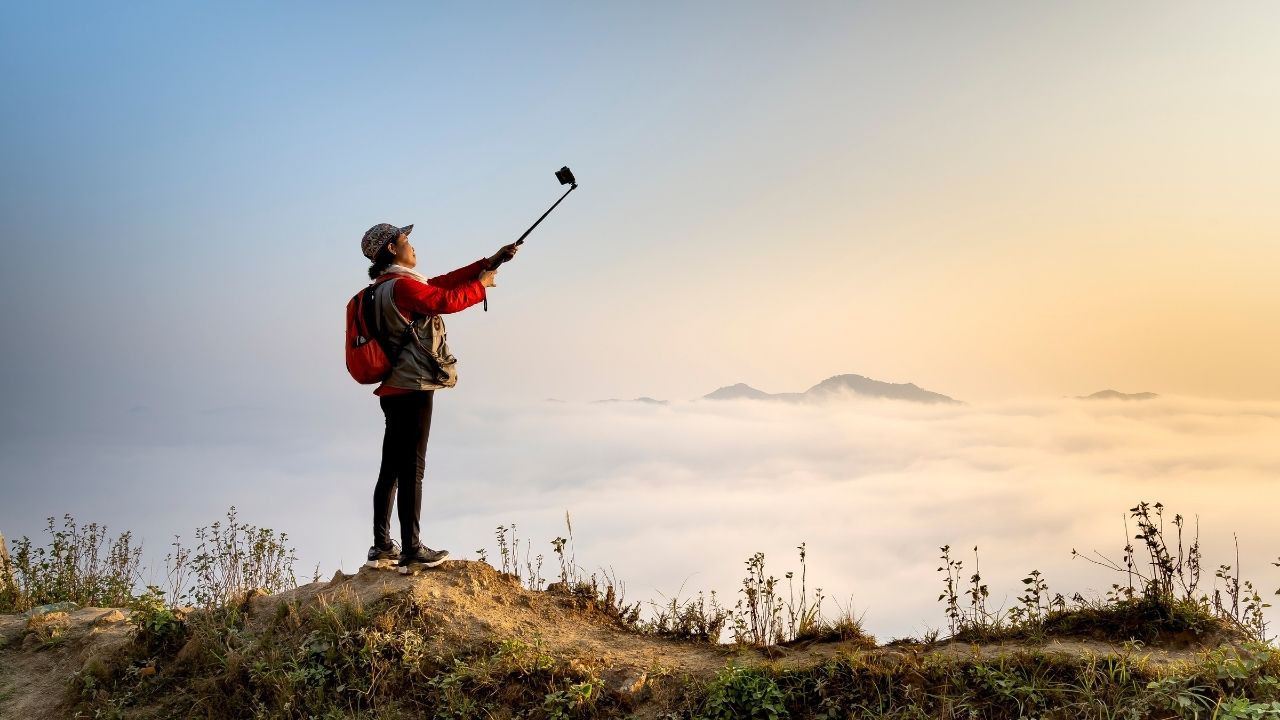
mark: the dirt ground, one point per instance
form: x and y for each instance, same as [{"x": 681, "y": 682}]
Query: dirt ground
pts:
[{"x": 38, "y": 657}]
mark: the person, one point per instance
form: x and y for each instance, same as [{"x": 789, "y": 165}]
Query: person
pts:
[{"x": 408, "y": 307}]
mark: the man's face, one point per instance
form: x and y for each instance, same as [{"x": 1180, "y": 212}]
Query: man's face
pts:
[{"x": 404, "y": 252}]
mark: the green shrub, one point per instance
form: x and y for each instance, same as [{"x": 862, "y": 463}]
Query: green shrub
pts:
[
  {"x": 159, "y": 629},
  {"x": 739, "y": 692},
  {"x": 79, "y": 565},
  {"x": 229, "y": 561},
  {"x": 697, "y": 620},
  {"x": 575, "y": 699}
]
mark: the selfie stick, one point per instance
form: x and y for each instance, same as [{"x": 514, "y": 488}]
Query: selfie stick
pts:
[{"x": 565, "y": 176}]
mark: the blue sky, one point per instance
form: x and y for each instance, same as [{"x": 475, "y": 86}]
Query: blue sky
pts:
[{"x": 203, "y": 173}]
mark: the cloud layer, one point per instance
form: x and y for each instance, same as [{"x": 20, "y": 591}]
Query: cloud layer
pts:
[{"x": 675, "y": 498}]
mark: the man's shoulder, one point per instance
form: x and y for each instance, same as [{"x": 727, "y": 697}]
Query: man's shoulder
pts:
[{"x": 403, "y": 280}]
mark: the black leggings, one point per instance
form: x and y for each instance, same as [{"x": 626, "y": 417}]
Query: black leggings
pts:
[{"x": 404, "y": 459}]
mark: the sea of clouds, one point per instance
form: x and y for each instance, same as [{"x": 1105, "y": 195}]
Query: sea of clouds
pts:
[{"x": 674, "y": 498}]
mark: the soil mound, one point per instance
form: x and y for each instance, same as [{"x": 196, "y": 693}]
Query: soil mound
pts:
[{"x": 471, "y": 603}]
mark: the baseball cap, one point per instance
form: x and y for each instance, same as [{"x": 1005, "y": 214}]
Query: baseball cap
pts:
[{"x": 376, "y": 237}]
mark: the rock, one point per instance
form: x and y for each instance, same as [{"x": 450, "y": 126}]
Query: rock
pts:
[
  {"x": 338, "y": 577},
  {"x": 109, "y": 617},
  {"x": 633, "y": 684},
  {"x": 45, "y": 629},
  {"x": 6, "y": 572},
  {"x": 628, "y": 682},
  {"x": 190, "y": 651},
  {"x": 58, "y": 607},
  {"x": 11, "y": 630},
  {"x": 48, "y": 618}
]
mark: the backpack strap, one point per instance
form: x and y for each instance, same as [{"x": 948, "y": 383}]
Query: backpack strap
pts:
[{"x": 369, "y": 310}]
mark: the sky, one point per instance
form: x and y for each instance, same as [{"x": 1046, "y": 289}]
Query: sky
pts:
[{"x": 1002, "y": 202}]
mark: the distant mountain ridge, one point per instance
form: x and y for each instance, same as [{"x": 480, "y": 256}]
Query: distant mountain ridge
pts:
[
  {"x": 1117, "y": 395},
  {"x": 850, "y": 384},
  {"x": 835, "y": 386},
  {"x": 646, "y": 399}
]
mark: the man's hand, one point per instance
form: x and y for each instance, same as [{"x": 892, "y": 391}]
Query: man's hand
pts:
[
  {"x": 503, "y": 255},
  {"x": 488, "y": 278}
]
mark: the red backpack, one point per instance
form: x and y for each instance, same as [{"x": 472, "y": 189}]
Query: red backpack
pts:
[{"x": 367, "y": 359}]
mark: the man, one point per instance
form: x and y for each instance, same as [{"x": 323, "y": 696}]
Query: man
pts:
[{"x": 409, "y": 309}]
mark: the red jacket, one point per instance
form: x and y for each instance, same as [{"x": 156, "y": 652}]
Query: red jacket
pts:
[{"x": 440, "y": 295}]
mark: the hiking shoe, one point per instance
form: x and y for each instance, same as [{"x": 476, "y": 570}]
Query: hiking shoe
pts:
[
  {"x": 383, "y": 557},
  {"x": 423, "y": 557}
]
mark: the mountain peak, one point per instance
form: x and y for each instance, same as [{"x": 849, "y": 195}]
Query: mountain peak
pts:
[
  {"x": 860, "y": 385},
  {"x": 736, "y": 392},
  {"x": 1117, "y": 395}
]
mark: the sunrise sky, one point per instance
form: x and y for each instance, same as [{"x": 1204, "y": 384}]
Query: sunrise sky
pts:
[
  {"x": 996, "y": 201},
  {"x": 988, "y": 199}
]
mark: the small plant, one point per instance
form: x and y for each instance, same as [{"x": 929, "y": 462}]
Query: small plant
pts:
[
  {"x": 569, "y": 571},
  {"x": 177, "y": 566},
  {"x": 508, "y": 543},
  {"x": 757, "y": 617},
  {"x": 1244, "y": 605},
  {"x": 978, "y": 595},
  {"x": 1171, "y": 580},
  {"x": 804, "y": 615},
  {"x": 605, "y": 593},
  {"x": 570, "y": 701},
  {"x": 976, "y": 618},
  {"x": 1165, "y": 569},
  {"x": 1033, "y": 603},
  {"x": 533, "y": 569},
  {"x": 950, "y": 594},
  {"x": 700, "y": 620},
  {"x": 159, "y": 628},
  {"x": 558, "y": 546},
  {"x": 74, "y": 568},
  {"x": 845, "y": 626},
  {"x": 739, "y": 692},
  {"x": 229, "y": 561},
  {"x": 761, "y": 617}
]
